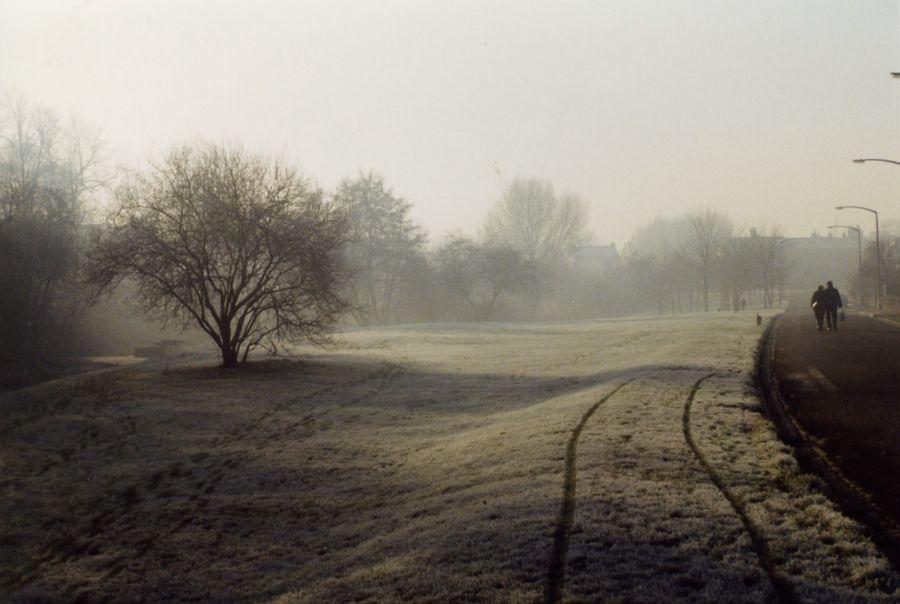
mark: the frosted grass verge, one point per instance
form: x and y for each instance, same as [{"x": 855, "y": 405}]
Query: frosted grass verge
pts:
[{"x": 426, "y": 464}]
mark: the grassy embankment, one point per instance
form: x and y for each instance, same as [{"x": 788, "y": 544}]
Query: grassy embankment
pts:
[{"x": 424, "y": 463}]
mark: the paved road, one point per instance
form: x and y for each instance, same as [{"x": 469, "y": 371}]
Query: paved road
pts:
[{"x": 843, "y": 387}]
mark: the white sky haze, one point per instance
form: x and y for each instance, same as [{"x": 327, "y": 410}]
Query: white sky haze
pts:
[{"x": 643, "y": 107}]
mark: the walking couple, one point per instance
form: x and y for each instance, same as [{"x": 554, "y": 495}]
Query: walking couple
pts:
[{"x": 825, "y": 303}]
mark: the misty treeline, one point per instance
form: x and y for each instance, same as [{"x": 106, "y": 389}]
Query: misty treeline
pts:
[
  {"x": 529, "y": 262},
  {"x": 863, "y": 281},
  {"x": 519, "y": 267},
  {"x": 48, "y": 172},
  {"x": 244, "y": 249},
  {"x": 533, "y": 259},
  {"x": 701, "y": 261}
]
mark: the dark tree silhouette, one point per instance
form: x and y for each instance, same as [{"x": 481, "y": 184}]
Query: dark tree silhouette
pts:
[
  {"x": 235, "y": 243},
  {"x": 47, "y": 172}
]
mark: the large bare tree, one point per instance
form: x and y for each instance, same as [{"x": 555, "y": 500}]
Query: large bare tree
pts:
[
  {"x": 384, "y": 244},
  {"x": 544, "y": 227},
  {"x": 233, "y": 242},
  {"x": 708, "y": 230},
  {"x": 533, "y": 219}
]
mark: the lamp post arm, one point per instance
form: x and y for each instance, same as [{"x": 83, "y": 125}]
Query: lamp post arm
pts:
[
  {"x": 859, "y": 208},
  {"x": 887, "y": 161}
]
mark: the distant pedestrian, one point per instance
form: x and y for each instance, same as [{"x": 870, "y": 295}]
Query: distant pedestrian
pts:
[
  {"x": 818, "y": 305},
  {"x": 743, "y": 304},
  {"x": 832, "y": 299}
]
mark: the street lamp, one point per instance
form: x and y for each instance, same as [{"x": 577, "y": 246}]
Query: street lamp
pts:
[
  {"x": 887, "y": 161},
  {"x": 877, "y": 252},
  {"x": 858, "y": 239}
]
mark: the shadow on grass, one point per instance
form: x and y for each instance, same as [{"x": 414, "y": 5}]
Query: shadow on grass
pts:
[{"x": 228, "y": 486}]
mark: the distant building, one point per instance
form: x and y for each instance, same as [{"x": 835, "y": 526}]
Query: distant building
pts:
[{"x": 816, "y": 259}]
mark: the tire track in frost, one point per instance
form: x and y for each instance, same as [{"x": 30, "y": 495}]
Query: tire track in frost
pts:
[
  {"x": 557, "y": 569},
  {"x": 783, "y": 589}
]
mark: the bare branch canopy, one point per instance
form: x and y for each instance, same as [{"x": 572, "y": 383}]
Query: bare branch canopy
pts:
[{"x": 237, "y": 244}]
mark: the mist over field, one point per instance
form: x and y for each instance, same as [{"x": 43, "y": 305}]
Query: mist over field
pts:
[
  {"x": 469, "y": 301},
  {"x": 627, "y": 120}
]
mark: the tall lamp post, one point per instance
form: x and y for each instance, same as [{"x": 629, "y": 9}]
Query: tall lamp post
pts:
[
  {"x": 858, "y": 239},
  {"x": 877, "y": 252}
]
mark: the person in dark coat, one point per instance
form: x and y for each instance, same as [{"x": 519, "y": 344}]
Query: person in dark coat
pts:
[
  {"x": 818, "y": 305},
  {"x": 832, "y": 298}
]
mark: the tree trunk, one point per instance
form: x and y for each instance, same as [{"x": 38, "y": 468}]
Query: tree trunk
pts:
[
  {"x": 229, "y": 357},
  {"x": 705, "y": 289}
]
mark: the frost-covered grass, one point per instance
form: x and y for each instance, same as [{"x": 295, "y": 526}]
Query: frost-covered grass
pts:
[{"x": 422, "y": 463}]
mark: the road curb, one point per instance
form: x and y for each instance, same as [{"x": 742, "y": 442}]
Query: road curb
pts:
[
  {"x": 852, "y": 499},
  {"x": 886, "y": 320},
  {"x": 872, "y": 315}
]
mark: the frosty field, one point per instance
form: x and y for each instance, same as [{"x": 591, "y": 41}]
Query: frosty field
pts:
[{"x": 614, "y": 460}]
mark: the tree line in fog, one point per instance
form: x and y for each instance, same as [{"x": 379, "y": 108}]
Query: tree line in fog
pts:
[
  {"x": 48, "y": 172},
  {"x": 251, "y": 253}
]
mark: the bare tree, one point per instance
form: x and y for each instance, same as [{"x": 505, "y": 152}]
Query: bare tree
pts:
[
  {"x": 734, "y": 268},
  {"x": 544, "y": 227},
  {"x": 46, "y": 173},
  {"x": 661, "y": 271},
  {"x": 703, "y": 241},
  {"x": 531, "y": 218},
  {"x": 383, "y": 244},
  {"x": 890, "y": 266},
  {"x": 237, "y": 244},
  {"x": 767, "y": 246},
  {"x": 479, "y": 274}
]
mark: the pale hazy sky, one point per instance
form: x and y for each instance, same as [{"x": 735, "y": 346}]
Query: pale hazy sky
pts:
[{"x": 643, "y": 107}]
